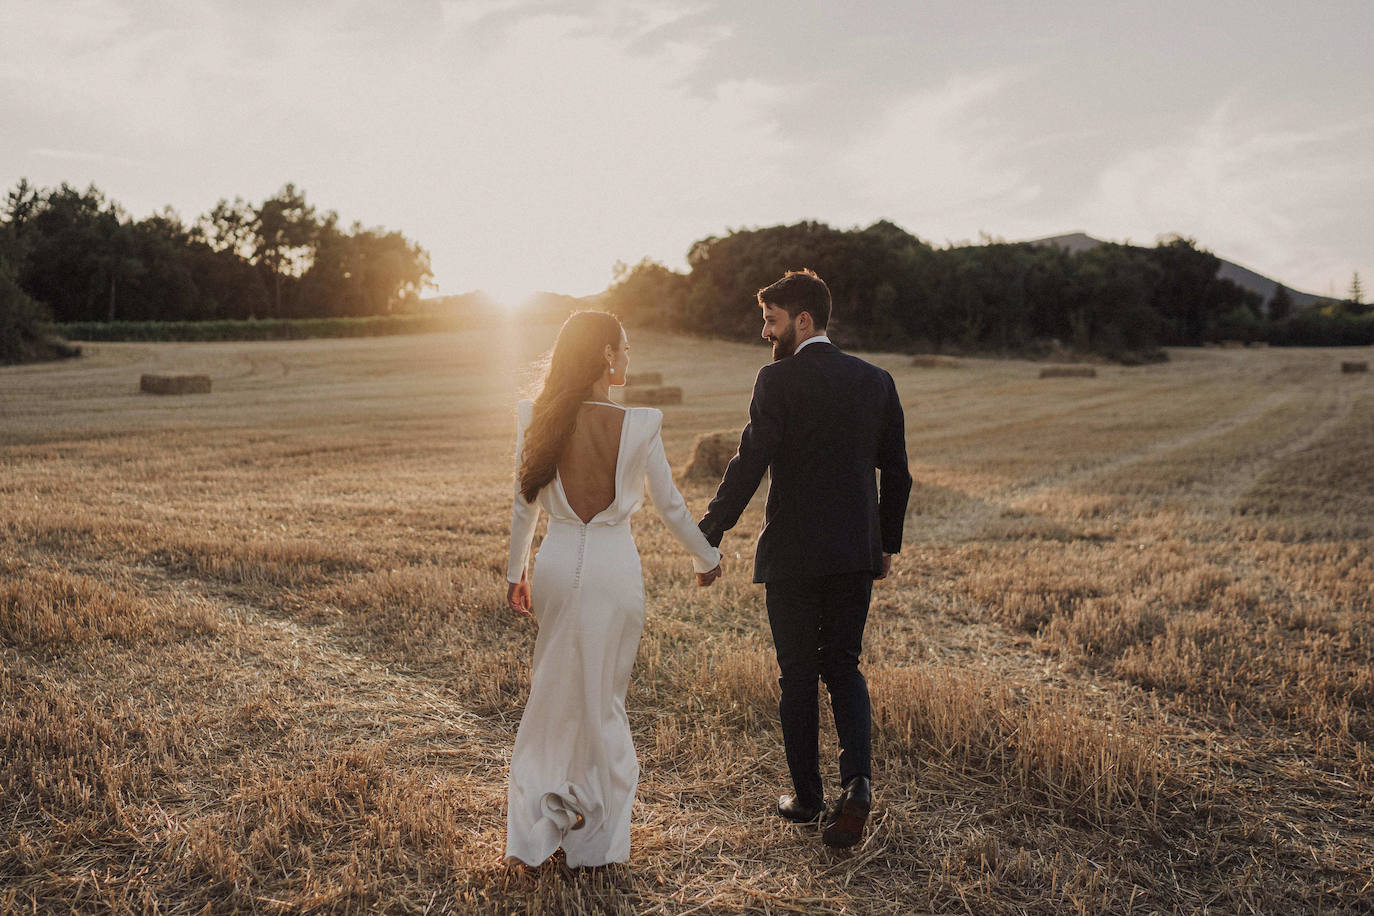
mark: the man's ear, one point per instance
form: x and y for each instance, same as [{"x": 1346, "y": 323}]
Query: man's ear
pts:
[{"x": 805, "y": 322}]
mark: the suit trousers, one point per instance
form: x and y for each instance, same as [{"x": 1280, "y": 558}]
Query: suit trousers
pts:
[{"x": 818, "y": 627}]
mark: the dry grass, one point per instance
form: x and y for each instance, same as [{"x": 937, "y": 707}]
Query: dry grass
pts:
[
  {"x": 654, "y": 396},
  {"x": 253, "y": 652},
  {"x": 934, "y": 361},
  {"x": 47, "y": 612}
]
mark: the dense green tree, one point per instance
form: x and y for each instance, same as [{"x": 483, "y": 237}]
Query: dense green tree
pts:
[
  {"x": 118, "y": 263},
  {"x": 891, "y": 290},
  {"x": 1281, "y": 304},
  {"x": 1187, "y": 274},
  {"x": 25, "y": 325},
  {"x": 1224, "y": 297},
  {"x": 1239, "y": 323},
  {"x": 1118, "y": 281},
  {"x": 73, "y": 243},
  {"x": 392, "y": 270},
  {"x": 284, "y": 227},
  {"x": 21, "y": 203},
  {"x": 648, "y": 294},
  {"x": 88, "y": 261},
  {"x": 363, "y": 271},
  {"x": 221, "y": 245},
  {"x": 228, "y": 227},
  {"x": 1355, "y": 304}
]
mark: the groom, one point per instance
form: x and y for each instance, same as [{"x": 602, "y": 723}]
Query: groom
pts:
[{"x": 821, "y": 422}]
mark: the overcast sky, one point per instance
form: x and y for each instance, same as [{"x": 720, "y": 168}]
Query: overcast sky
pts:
[{"x": 530, "y": 145}]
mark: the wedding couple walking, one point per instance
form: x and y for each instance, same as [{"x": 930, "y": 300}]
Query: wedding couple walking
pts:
[{"x": 821, "y": 422}]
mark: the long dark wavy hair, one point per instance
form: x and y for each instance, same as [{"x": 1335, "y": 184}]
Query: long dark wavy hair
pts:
[{"x": 577, "y": 361}]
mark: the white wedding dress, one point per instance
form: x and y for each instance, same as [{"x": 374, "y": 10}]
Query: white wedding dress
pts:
[{"x": 573, "y": 753}]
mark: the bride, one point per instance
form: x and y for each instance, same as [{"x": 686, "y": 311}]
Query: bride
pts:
[{"x": 585, "y": 462}]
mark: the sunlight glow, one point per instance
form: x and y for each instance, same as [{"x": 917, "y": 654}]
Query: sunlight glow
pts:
[{"x": 509, "y": 296}]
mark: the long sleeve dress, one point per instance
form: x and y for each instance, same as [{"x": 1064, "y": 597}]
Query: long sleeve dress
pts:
[{"x": 573, "y": 753}]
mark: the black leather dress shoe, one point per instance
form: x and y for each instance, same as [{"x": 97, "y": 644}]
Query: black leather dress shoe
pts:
[
  {"x": 794, "y": 810},
  {"x": 845, "y": 825}
]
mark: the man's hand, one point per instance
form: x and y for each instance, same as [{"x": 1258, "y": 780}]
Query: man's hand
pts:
[
  {"x": 706, "y": 578},
  {"x": 887, "y": 566},
  {"x": 518, "y": 596}
]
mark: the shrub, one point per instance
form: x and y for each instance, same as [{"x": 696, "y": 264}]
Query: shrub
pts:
[
  {"x": 1316, "y": 328},
  {"x": 25, "y": 326}
]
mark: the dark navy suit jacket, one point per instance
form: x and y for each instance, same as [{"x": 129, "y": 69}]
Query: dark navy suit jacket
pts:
[{"x": 820, "y": 422}]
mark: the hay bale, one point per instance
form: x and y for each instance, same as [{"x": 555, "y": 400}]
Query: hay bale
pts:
[
  {"x": 653, "y": 396},
  {"x": 175, "y": 384},
  {"x": 644, "y": 378},
  {"x": 931, "y": 361},
  {"x": 711, "y": 454},
  {"x": 1355, "y": 367},
  {"x": 1233, "y": 345},
  {"x": 1069, "y": 372}
]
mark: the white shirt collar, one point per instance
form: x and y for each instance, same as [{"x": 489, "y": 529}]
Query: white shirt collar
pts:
[{"x": 819, "y": 338}]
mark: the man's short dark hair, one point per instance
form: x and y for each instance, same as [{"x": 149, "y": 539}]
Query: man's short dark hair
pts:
[{"x": 800, "y": 291}]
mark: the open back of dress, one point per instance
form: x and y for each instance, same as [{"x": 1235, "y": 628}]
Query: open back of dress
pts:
[{"x": 587, "y": 467}]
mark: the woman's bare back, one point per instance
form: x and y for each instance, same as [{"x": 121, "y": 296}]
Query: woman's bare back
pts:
[{"x": 588, "y": 464}]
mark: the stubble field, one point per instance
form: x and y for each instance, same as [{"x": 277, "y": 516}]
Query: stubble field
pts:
[{"x": 254, "y": 654}]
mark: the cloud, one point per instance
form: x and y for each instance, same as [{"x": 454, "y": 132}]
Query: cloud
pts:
[
  {"x": 73, "y": 155},
  {"x": 1255, "y": 191},
  {"x": 576, "y": 143},
  {"x": 935, "y": 157},
  {"x": 67, "y": 27},
  {"x": 463, "y": 14}
]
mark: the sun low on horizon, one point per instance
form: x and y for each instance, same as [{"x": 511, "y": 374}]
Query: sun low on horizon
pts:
[{"x": 510, "y": 296}]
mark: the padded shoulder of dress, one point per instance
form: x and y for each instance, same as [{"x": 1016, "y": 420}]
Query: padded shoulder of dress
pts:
[{"x": 650, "y": 420}]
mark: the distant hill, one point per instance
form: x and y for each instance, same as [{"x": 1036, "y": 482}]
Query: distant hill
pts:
[{"x": 1243, "y": 277}]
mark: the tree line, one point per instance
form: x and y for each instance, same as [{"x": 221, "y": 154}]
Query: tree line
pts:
[
  {"x": 75, "y": 256},
  {"x": 83, "y": 258},
  {"x": 892, "y": 290}
]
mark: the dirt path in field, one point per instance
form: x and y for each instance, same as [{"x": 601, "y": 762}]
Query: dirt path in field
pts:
[
  {"x": 1332, "y": 411},
  {"x": 268, "y": 690}
]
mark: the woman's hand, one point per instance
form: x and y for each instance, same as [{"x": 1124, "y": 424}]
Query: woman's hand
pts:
[{"x": 518, "y": 596}]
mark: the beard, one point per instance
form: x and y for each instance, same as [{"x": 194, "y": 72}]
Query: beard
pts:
[{"x": 785, "y": 344}]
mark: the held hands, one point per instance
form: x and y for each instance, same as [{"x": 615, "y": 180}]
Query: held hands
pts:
[
  {"x": 706, "y": 578},
  {"x": 518, "y": 596}
]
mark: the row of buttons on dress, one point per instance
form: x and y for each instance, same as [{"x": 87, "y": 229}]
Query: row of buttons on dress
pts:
[{"x": 581, "y": 554}]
